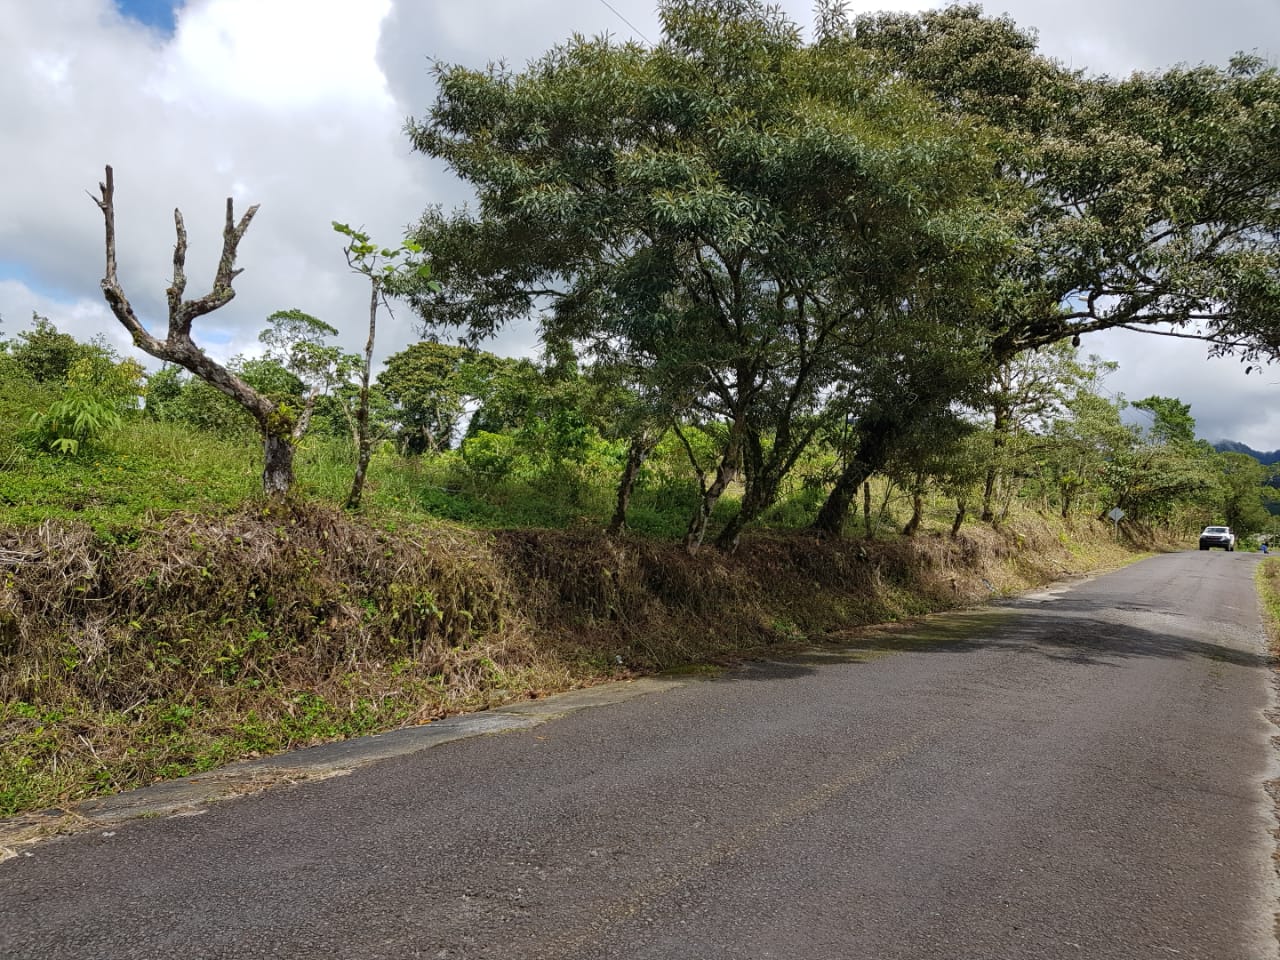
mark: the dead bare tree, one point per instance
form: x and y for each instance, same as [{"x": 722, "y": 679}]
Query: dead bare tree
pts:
[{"x": 281, "y": 427}]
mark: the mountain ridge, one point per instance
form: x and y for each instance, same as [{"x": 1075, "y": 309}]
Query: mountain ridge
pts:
[{"x": 1235, "y": 446}]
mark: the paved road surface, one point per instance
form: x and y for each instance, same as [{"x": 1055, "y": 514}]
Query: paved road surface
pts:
[{"x": 1082, "y": 777}]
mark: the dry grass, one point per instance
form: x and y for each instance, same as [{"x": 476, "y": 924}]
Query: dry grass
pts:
[
  {"x": 203, "y": 639},
  {"x": 206, "y": 639}
]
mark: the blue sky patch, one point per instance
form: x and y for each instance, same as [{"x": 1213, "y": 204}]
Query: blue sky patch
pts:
[
  {"x": 158, "y": 14},
  {"x": 14, "y": 270},
  {"x": 39, "y": 282}
]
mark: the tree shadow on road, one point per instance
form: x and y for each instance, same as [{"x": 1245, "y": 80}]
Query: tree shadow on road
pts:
[{"x": 1077, "y": 630}]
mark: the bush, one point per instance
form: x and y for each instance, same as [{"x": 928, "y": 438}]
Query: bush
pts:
[
  {"x": 74, "y": 423},
  {"x": 491, "y": 456}
]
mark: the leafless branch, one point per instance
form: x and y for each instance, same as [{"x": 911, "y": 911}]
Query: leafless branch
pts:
[
  {"x": 1206, "y": 338},
  {"x": 177, "y": 347},
  {"x": 179, "y": 285}
]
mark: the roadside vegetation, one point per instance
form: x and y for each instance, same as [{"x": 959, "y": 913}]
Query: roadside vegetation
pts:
[
  {"x": 1268, "y": 577},
  {"x": 160, "y": 617},
  {"x": 810, "y": 318}
]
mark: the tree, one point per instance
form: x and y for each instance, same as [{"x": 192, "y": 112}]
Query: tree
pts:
[
  {"x": 120, "y": 383},
  {"x": 164, "y": 393},
  {"x": 276, "y": 422},
  {"x": 296, "y": 342},
  {"x": 1243, "y": 485},
  {"x": 44, "y": 353},
  {"x": 628, "y": 408},
  {"x": 383, "y": 268},
  {"x": 509, "y": 393},
  {"x": 47, "y": 355},
  {"x": 177, "y": 398},
  {"x": 1081, "y": 441},
  {"x": 724, "y": 212},
  {"x": 1165, "y": 468},
  {"x": 92, "y": 390},
  {"x": 1146, "y": 204},
  {"x": 542, "y": 407},
  {"x": 1152, "y": 199},
  {"x": 962, "y": 472},
  {"x": 1171, "y": 420},
  {"x": 1027, "y": 391},
  {"x": 428, "y": 385},
  {"x": 925, "y": 367},
  {"x": 933, "y": 450}
]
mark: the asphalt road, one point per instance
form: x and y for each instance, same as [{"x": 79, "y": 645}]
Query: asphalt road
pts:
[{"x": 1075, "y": 775}]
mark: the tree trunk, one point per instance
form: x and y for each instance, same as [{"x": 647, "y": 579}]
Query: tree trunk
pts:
[
  {"x": 726, "y": 471},
  {"x": 988, "y": 494},
  {"x": 962, "y": 508},
  {"x": 866, "y": 507},
  {"x": 756, "y": 498},
  {"x": 178, "y": 347},
  {"x": 999, "y": 431},
  {"x": 277, "y": 468},
  {"x": 917, "y": 513},
  {"x": 641, "y": 447},
  {"x": 357, "y": 482},
  {"x": 766, "y": 466},
  {"x": 831, "y": 518},
  {"x": 364, "y": 443},
  {"x": 304, "y": 419},
  {"x": 759, "y": 497},
  {"x": 873, "y": 445}
]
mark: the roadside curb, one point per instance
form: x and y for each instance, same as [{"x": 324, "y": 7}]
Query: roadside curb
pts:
[{"x": 188, "y": 796}]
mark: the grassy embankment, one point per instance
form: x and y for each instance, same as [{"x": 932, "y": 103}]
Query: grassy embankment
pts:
[{"x": 156, "y": 620}]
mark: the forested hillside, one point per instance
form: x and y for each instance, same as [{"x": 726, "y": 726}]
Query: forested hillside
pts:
[
  {"x": 814, "y": 323},
  {"x": 1266, "y": 458}
]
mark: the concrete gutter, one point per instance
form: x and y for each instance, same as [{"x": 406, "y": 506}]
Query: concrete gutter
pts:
[{"x": 188, "y": 796}]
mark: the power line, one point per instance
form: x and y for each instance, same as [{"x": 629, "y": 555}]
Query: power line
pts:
[{"x": 626, "y": 21}]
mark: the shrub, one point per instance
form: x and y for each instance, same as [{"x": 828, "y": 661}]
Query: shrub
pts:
[{"x": 73, "y": 423}]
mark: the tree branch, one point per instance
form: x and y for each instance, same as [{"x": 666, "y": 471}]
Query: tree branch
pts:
[
  {"x": 179, "y": 285},
  {"x": 178, "y": 347},
  {"x": 1204, "y": 337}
]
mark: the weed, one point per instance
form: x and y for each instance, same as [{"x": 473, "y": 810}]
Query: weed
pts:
[
  {"x": 1267, "y": 577},
  {"x": 787, "y": 632}
]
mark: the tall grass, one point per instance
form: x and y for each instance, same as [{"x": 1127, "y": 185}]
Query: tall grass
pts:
[
  {"x": 148, "y": 468},
  {"x": 204, "y": 638},
  {"x": 1267, "y": 577}
]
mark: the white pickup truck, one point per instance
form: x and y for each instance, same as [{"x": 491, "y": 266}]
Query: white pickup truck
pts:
[{"x": 1211, "y": 537}]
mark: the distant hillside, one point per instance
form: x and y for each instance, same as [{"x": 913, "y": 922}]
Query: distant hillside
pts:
[{"x": 1233, "y": 446}]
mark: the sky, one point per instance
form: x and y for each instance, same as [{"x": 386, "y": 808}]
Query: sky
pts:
[{"x": 299, "y": 106}]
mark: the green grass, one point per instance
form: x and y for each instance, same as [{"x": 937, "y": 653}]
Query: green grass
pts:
[
  {"x": 1267, "y": 576},
  {"x": 56, "y": 756},
  {"x": 150, "y": 468},
  {"x": 144, "y": 468}
]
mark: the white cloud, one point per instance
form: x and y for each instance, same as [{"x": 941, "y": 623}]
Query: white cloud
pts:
[
  {"x": 289, "y": 110},
  {"x": 1227, "y": 403},
  {"x": 282, "y": 55}
]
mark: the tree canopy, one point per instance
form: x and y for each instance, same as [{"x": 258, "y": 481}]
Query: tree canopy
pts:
[
  {"x": 737, "y": 215},
  {"x": 1154, "y": 198}
]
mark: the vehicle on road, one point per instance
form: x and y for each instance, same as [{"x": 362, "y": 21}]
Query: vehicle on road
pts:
[{"x": 1211, "y": 537}]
